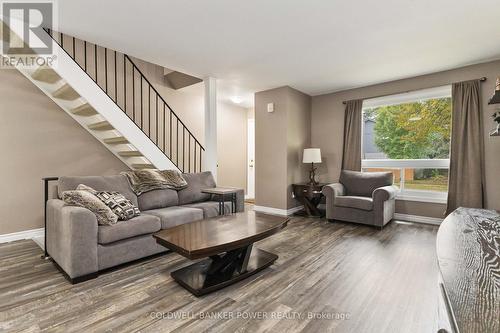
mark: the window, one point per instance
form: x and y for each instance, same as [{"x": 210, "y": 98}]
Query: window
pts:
[{"x": 409, "y": 134}]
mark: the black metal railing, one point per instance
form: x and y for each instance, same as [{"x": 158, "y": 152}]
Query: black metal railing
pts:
[{"x": 126, "y": 85}]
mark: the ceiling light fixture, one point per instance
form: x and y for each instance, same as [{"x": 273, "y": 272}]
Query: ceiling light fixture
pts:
[{"x": 236, "y": 99}]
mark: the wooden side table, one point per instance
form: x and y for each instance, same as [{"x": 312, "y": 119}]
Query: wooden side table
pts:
[{"x": 310, "y": 196}]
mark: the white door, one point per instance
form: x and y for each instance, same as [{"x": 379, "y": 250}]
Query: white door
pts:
[{"x": 251, "y": 159}]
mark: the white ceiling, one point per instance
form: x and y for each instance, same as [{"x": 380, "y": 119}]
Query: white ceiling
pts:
[{"x": 315, "y": 46}]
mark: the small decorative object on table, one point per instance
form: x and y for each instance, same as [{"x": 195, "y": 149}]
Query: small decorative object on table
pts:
[
  {"x": 312, "y": 155},
  {"x": 221, "y": 193},
  {"x": 310, "y": 196}
]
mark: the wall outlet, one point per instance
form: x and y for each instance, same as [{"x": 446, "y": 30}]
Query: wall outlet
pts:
[{"x": 270, "y": 107}]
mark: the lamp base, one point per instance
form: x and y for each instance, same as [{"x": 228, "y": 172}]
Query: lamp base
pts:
[{"x": 312, "y": 175}]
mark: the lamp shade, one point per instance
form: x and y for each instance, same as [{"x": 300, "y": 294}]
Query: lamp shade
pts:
[{"x": 312, "y": 155}]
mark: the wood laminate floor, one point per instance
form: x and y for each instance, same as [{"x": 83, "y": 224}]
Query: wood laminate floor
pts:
[{"x": 358, "y": 278}]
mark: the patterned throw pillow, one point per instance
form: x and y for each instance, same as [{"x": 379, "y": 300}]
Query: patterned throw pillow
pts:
[
  {"x": 120, "y": 205},
  {"x": 85, "y": 199}
]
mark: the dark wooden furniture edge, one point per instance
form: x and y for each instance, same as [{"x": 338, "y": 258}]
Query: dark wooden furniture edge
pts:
[{"x": 202, "y": 253}]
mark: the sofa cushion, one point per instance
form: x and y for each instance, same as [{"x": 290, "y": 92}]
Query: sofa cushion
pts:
[
  {"x": 364, "y": 183},
  {"x": 364, "y": 203},
  {"x": 175, "y": 215},
  {"x": 118, "y": 183},
  {"x": 140, "y": 225},
  {"x": 158, "y": 199},
  {"x": 210, "y": 208},
  {"x": 196, "y": 182}
]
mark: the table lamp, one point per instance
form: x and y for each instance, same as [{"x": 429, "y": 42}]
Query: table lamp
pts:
[{"x": 312, "y": 155}]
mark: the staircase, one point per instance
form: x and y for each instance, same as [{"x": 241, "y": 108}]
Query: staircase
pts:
[{"x": 106, "y": 93}]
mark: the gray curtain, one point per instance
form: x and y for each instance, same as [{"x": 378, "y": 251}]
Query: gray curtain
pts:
[
  {"x": 351, "y": 159},
  {"x": 466, "y": 178}
]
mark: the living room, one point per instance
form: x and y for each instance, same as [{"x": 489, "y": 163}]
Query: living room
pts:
[{"x": 270, "y": 166}]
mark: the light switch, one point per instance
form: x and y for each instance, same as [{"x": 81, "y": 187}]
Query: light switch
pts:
[{"x": 270, "y": 107}]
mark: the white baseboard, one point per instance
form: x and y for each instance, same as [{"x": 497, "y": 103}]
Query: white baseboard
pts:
[
  {"x": 26, "y": 234},
  {"x": 277, "y": 211},
  {"x": 418, "y": 219}
]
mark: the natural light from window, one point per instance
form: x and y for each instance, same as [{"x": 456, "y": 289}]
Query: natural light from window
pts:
[{"x": 409, "y": 134}]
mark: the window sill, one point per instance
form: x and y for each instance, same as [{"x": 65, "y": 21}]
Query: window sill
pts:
[{"x": 418, "y": 198}]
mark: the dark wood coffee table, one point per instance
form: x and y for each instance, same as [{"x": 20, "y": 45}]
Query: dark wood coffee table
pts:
[{"x": 227, "y": 242}]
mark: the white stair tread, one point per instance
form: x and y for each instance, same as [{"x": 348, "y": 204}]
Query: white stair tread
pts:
[
  {"x": 101, "y": 126},
  {"x": 66, "y": 92},
  {"x": 84, "y": 110}
]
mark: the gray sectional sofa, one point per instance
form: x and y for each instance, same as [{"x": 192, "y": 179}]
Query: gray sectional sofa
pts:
[{"x": 82, "y": 248}]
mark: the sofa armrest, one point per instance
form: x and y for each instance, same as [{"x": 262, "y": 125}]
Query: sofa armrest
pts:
[
  {"x": 331, "y": 191},
  {"x": 72, "y": 238},
  {"x": 240, "y": 200}
]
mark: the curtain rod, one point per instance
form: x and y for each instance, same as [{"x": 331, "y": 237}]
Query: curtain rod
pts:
[{"x": 482, "y": 79}]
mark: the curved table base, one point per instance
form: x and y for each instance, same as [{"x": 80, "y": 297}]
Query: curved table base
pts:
[{"x": 221, "y": 271}]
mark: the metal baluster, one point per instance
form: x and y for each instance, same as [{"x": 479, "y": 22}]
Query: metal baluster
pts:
[
  {"x": 74, "y": 49},
  {"x": 85, "y": 54},
  {"x": 133, "y": 93},
  {"x": 124, "y": 84},
  {"x": 116, "y": 83},
  {"x": 164, "y": 125},
  {"x": 170, "y": 150},
  {"x": 142, "y": 116},
  {"x": 95, "y": 62},
  {"x": 189, "y": 153},
  {"x": 183, "y": 147},
  {"x": 106, "y": 68},
  {"x": 149, "y": 109},
  {"x": 156, "y": 119}
]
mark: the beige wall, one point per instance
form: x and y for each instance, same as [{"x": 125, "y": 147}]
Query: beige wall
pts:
[
  {"x": 37, "y": 140},
  {"x": 328, "y": 119},
  {"x": 231, "y": 146},
  {"x": 298, "y": 138},
  {"x": 280, "y": 138}
]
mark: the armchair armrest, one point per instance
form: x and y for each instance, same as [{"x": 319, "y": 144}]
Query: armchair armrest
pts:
[
  {"x": 384, "y": 193},
  {"x": 384, "y": 204},
  {"x": 72, "y": 238},
  {"x": 331, "y": 191}
]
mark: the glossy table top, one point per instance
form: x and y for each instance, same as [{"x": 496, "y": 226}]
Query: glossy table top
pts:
[{"x": 220, "y": 234}]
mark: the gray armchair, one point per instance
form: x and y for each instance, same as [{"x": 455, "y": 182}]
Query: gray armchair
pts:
[{"x": 361, "y": 197}]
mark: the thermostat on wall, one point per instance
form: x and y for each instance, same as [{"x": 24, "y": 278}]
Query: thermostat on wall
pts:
[{"x": 270, "y": 107}]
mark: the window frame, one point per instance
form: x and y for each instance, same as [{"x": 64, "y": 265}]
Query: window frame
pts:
[
  {"x": 412, "y": 195},
  {"x": 402, "y": 164}
]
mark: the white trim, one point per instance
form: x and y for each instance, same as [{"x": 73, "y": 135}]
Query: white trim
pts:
[
  {"x": 277, "y": 211},
  {"x": 409, "y": 163},
  {"x": 26, "y": 234},
  {"x": 418, "y": 219},
  {"x": 424, "y": 197}
]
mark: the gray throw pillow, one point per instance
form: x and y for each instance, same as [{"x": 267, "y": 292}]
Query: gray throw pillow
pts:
[
  {"x": 85, "y": 199},
  {"x": 120, "y": 205}
]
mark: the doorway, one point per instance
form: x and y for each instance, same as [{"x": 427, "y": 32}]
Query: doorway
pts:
[{"x": 251, "y": 159}]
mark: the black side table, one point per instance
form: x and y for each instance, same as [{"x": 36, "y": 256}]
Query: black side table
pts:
[
  {"x": 221, "y": 193},
  {"x": 310, "y": 196}
]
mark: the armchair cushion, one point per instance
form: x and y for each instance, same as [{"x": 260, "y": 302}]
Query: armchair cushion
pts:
[
  {"x": 363, "y": 203},
  {"x": 364, "y": 183}
]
